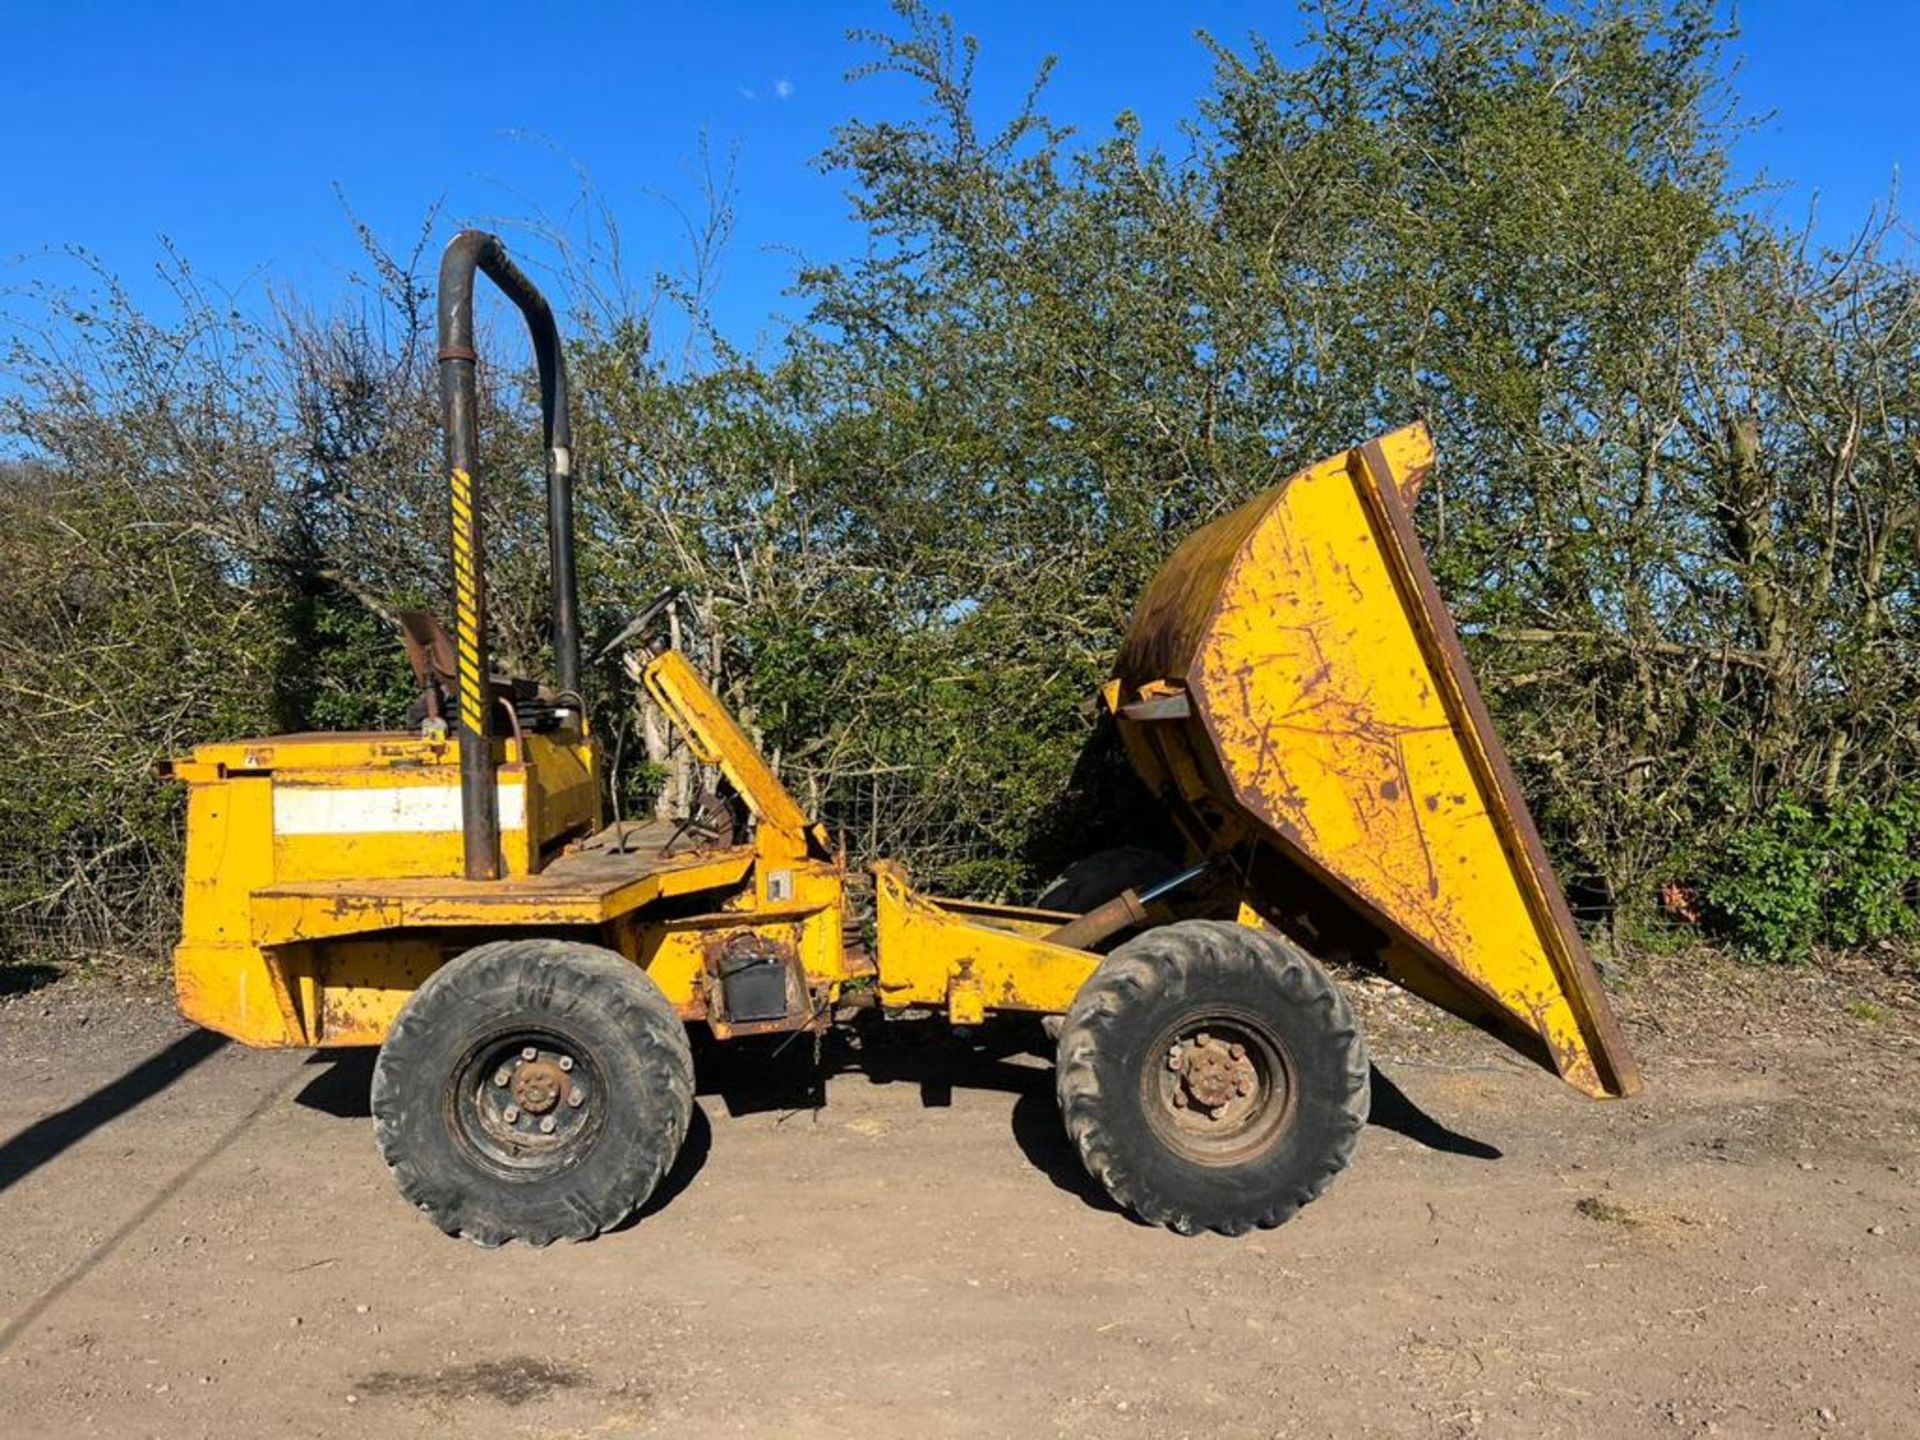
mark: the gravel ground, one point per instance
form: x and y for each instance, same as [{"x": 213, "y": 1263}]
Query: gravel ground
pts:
[{"x": 200, "y": 1240}]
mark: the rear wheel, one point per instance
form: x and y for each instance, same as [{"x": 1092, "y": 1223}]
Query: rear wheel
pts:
[
  {"x": 1212, "y": 1077},
  {"x": 533, "y": 1090}
]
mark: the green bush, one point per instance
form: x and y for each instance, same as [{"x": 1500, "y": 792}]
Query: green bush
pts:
[
  {"x": 911, "y": 529},
  {"x": 1804, "y": 876}
]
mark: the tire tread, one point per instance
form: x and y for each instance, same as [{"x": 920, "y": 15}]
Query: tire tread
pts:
[
  {"x": 1167, "y": 961},
  {"x": 570, "y": 975}
]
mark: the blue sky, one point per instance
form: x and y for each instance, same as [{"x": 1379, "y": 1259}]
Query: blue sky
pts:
[{"x": 227, "y": 127}]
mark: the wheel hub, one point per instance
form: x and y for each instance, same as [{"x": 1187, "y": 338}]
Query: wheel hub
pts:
[
  {"x": 1210, "y": 1073},
  {"x": 537, "y": 1085},
  {"x": 534, "y": 1101}
]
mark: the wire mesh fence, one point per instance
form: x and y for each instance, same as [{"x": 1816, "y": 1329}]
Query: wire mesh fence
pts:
[
  {"x": 123, "y": 912},
  {"x": 118, "y": 914},
  {"x": 897, "y": 814}
]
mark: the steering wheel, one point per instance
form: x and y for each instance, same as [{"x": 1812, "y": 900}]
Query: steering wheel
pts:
[
  {"x": 710, "y": 825},
  {"x": 637, "y": 626}
]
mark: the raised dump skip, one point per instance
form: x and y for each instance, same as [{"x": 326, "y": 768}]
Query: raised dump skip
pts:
[{"x": 1292, "y": 677}]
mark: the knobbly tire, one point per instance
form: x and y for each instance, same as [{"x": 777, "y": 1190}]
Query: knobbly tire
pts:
[
  {"x": 1212, "y": 1077},
  {"x": 533, "y": 1090}
]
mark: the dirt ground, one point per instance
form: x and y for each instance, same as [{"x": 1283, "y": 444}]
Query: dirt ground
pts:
[{"x": 199, "y": 1240}]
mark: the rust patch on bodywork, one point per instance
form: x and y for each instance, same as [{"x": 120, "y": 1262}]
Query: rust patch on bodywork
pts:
[{"x": 1333, "y": 713}]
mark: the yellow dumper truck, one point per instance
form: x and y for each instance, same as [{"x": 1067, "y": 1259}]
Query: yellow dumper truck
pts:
[{"x": 1291, "y": 690}]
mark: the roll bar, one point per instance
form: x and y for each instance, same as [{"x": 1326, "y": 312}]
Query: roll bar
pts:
[{"x": 469, "y": 251}]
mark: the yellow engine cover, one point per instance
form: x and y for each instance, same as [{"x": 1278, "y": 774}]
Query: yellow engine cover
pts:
[{"x": 289, "y": 808}]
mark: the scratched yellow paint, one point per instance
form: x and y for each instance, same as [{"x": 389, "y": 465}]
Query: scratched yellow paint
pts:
[
  {"x": 279, "y": 811},
  {"x": 968, "y": 957},
  {"x": 1328, "y": 714},
  {"x": 300, "y": 929},
  {"x": 1338, "y": 724},
  {"x": 348, "y": 768}
]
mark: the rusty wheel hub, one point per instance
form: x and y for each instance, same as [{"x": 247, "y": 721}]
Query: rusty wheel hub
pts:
[
  {"x": 1222, "y": 1088},
  {"x": 537, "y": 1085},
  {"x": 1211, "y": 1073},
  {"x": 524, "y": 1104}
]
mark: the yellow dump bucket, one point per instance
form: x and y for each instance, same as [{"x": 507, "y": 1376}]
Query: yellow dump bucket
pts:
[{"x": 1292, "y": 683}]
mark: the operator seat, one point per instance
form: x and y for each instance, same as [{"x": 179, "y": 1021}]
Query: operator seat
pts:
[{"x": 436, "y": 665}]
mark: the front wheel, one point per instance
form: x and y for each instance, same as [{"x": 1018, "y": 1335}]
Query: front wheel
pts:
[
  {"x": 533, "y": 1090},
  {"x": 1212, "y": 1077}
]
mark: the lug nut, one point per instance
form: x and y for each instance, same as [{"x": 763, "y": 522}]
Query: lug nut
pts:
[
  {"x": 566, "y": 1062},
  {"x": 501, "y": 1077},
  {"x": 1238, "y": 1052},
  {"x": 576, "y": 1096},
  {"x": 512, "y": 1114},
  {"x": 546, "y": 1126},
  {"x": 529, "y": 1053},
  {"x": 1180, "y": 1099},
  {"x": 1203, "y": 1038}
]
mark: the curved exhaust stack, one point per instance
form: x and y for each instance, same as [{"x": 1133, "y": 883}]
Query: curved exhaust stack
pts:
[{"x": 469, "y": 251}]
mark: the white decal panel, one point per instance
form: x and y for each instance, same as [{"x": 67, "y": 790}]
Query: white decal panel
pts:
[{"x": 390, "y": 810}]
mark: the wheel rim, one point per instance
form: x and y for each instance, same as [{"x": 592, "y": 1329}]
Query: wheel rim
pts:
[
  {"x": 527, "y": 1102},
  {"x": 1219, "y": 1087}
]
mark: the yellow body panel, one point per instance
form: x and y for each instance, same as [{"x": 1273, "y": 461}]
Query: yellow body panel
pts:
[
  {"x": 356, "y": 988},
  {"x": 389, "y": 804},
  {"x": 266, "y": 817},
  {"x": 969, "y": 957},
  {"x": 1329, "y": 713},
  {"x": 1291, "y": 687},
  {"x": 324, "y": 875}
]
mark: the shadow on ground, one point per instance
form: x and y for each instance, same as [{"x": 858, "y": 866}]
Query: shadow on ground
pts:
[
  {"x": 23, "y": 977},
  {"x": 786, "y": 1076},
  {"x": 1392, "y": 1110},
  {"x": 49, "y": 1137},
  {"x": 344, "y": 1086}
]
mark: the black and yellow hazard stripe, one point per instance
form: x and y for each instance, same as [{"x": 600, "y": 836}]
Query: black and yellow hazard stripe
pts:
[{"x": 466, "y": 599}]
